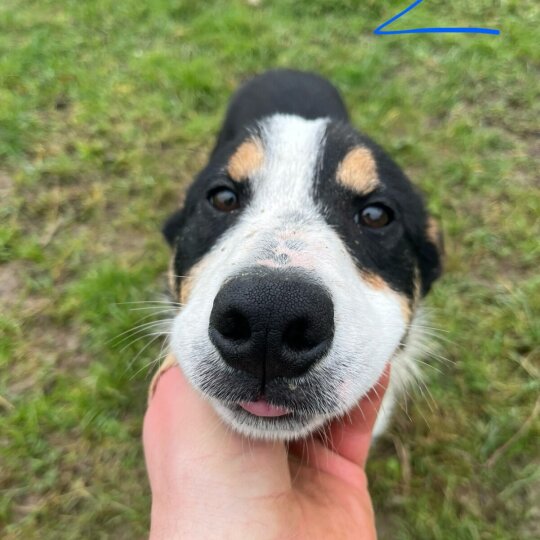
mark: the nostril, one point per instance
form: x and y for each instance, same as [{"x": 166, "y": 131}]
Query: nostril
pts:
[
  {"x": 297, "y": 335},
  {"x": 234, "y": 325}
]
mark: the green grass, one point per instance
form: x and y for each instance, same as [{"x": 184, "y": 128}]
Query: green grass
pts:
[{"x": 108, "y": 108}]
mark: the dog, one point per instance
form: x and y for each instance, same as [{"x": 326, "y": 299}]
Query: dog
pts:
[{"x": 301, "y": 256}]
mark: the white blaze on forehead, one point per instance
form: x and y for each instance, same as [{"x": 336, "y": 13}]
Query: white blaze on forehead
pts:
[
  {"x": 282, "y": 211},
  {"x": 292, "y": 149}
]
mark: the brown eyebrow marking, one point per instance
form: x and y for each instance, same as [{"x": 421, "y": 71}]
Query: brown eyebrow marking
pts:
[
  {"x": 247, "y": 159},
  {"x": 358, "y": 171}
]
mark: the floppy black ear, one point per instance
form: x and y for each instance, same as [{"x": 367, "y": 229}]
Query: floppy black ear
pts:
[
  {"x": 171, "y": 228},
  {"x": 431, "y": 255}
]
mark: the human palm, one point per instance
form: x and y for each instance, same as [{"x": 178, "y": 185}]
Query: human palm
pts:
[{"x": 208, "y": 482}]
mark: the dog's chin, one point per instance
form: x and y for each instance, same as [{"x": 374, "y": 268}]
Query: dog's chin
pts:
[{"x": 285, "y": 427}]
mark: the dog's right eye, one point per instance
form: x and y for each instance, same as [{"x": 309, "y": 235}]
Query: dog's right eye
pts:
[{"x": 223, "y": 199}]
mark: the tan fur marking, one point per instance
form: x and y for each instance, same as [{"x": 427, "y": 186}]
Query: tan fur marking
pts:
[
  {"x": 405, "y": 305},
  {"x": 169, "y": 362},
  {"x": 358, "y": 171},
  {"x": 433, "y": 234},
  {"x": 247, "y": 159},
  {"x": 417, "y": 287},
  {"x": 374, "y": 281},
  {"x": 187, "y": 283},
  {"x": 171, "y": 278},
  {"x": 186, "y": 287},
  {"x": 377, "y": 282}
]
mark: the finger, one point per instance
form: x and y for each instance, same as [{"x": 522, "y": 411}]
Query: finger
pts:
[
  {"x": 162, "y": 445},
  {"x": 185, "y": 440},
  {"x": 351, "y": 436},
  {"x": 342, "y": 449},
  {"x": 168, "y": 363},
  {"x": 316, "y": 455}
]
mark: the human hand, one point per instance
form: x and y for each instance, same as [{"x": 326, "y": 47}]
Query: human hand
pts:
[{"x": 208, "y": 482}]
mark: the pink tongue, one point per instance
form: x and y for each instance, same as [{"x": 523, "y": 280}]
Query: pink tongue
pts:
[{"x": 262, "y": 408}]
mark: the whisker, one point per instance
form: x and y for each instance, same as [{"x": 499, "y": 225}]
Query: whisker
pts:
[
  {"x": 430, "y": 352},
  {"x": 168, "y": 307},
  {"x": 429, "y": 365},
  {"x": 150, "y": 364},
  {"x": 134, "y": 328},
  {"x": 131, "y": 362},
  {"x": 137, "y": 330},
  {"x": 163, "y": 353},
  {"x": 166, "y": 302},
  {"x": 142, "y": 336}
]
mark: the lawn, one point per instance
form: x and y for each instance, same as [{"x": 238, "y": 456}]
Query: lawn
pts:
[{"x": 108, "y": 108}]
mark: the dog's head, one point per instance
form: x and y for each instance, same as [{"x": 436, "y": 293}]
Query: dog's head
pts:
[{"x": 300, "y": 256}]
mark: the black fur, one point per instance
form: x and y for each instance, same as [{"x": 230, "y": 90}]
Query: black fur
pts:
[{"x": 280, "y": 91}]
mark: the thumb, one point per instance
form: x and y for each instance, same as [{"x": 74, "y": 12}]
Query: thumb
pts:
[{"x": 188, "y": 447}]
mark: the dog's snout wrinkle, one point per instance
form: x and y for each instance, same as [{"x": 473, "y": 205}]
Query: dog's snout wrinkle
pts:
[{"x": 272, "y": 324}]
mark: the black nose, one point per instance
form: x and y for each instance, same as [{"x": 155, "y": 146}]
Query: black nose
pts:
[{"x": 272, "y": 324}]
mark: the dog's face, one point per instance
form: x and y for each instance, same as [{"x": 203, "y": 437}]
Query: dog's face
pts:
[{"x": 300, "y": 256}]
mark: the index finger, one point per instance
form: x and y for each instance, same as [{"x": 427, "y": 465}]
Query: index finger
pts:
[{"x": 351, "y": 436}]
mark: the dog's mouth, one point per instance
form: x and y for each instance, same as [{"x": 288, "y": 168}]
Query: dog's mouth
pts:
[
  {"x": 262, "y": 419},
  {"x": 285, "y": 406},
  {"x": 262, "y": 408}
]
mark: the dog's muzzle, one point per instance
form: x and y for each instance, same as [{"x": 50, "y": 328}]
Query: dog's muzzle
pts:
[{"x": 272, "y": 324}]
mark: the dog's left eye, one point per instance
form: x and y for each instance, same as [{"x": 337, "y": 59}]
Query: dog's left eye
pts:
[
  {"x": 374, "y": 216},
  {"x": 223, "y": 199}
]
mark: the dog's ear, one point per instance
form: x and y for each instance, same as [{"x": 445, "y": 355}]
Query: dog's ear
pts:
[
  {"x": 431, "y": 254},
  {"x": 171, "y": 227}
]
